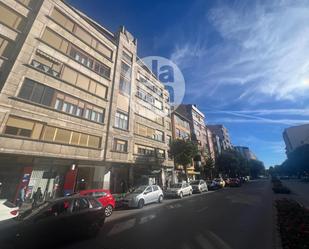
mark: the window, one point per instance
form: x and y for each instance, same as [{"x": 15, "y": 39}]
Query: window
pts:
[
  {"x": 83, "y": 82},
  {"x": 68, "y": 24},
  {"x": 77, "y": 55},
  {"x": 102, "y": 70},
  {"x": 124, "y": 85},
  {"x": 46, "y": 65},
  {"x": 10, "y": 17},
  {"x": 22, "y": 127},
  {"x": 125, "y": 70},
  {"x": 121, "y": 120},
  {"x": 169, "y": 139},
  {"x": 127, "y": 57},
  {"x": 144, "y": 150},
  {"x": 120, "y": 145},
  {"x": 36, "y": 92},
  {"x": 54, "y": 40},
  {"x": 160, "y": 153},
  {"x": 158, "y": 104},
  {"x": 155, "y": 188},
  {"x": 158, "y": 136},
  {"x": 3, "y": 47},
  {"x": 80, "y": 205},
  {"x": 64, "y": 136}
]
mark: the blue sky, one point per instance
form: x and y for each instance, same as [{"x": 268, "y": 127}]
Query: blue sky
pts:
[{"x": 245, "y": 63}]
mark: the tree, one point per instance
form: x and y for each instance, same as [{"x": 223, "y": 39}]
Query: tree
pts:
[
  {"x": 183, "y": 151},
  {"x": 256, "y": 168},
  {"x": 208, "y": 167},
  {"x": 228, "y": 163}
]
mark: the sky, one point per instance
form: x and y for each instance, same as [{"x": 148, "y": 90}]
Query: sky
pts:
[{"x": 245, "y": 63}]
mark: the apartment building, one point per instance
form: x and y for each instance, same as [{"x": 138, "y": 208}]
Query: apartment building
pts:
[
  {"x": 295, "y": 137},
  {"x": 72, "y": 110},
  {"x": 211, "y": 144},
  {"x": 223, "y": 134},
  {"x": 245, "y": 152}
]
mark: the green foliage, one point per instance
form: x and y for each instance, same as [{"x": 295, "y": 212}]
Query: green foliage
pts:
[
  {"x": 296, "y": 164},
  {"x": 232, "y": 164},
  {"x": 183, "y": 151}
]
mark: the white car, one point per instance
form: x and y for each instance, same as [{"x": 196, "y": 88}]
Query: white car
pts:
[
  {"x": 179, "y": 190},
  {"x": 199, "y": 186},
  {"x": 143, "y": 195},
  {"x": 7, "y": 210}
]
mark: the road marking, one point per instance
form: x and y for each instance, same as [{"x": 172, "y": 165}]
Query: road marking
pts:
[
  {"x": 122, "y": 226},
  {"x": 204, "y": 242},
  {"x": 220, "y": 243},
  {"x": 172, "y": 206}
]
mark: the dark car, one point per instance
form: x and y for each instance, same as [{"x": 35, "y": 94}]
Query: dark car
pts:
[
  {"x": 235, "y": 182},
  {"x": 52, "y": 222}
]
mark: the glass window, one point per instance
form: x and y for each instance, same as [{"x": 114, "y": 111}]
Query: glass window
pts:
[
  {"x": 124, "y": 85},
  {"x": 63, "y": 136},
  {"x": 65, "y": 107},
  {"x": 69, "y": 75},
  {"x": 155, "y": 188},
  {"x": 26, "y": 89},
  {"x": 48, "y": 96},
  {"x": 94, "y": 142},
  {"x": 80, "y": 205},
  {"x": 126, "y": 70},
  {"x": 102, "y": 69},
  {"x": 121, "y": 120},
  {"x": 120, "y": 145},
  {"x": 10, "y": 17},
  {"x": 88, "y": 113},
  {"x": 49, "y": 133},
  {"x": 58, "y": 104},
  {"x": 37, "y": 93}
]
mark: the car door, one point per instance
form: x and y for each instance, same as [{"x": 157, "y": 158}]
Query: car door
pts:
[
  {"x": 148, "y": 195},
  {"x": 101, "y": 197},
  {"x": 155, "y": 193}
]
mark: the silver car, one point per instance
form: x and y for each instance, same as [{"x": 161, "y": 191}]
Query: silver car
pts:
[
  {"x": 143, "y": 195},
  {"x": 199, "y": 186},
  {"x": 179, "y": 190}
]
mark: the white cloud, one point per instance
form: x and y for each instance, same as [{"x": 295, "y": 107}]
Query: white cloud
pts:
[{"x": 263, "y": 52}]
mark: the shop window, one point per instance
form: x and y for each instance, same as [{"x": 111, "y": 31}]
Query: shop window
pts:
[
  {"x": 120, "y": 145},
  {"x": 10, "y": 17},
  {"x": 121, "y": 120}
]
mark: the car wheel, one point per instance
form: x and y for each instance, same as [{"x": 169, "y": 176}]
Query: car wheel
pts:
[
  {"x": 141, "y": 203},
  {"x": 180, "y": 195},
  {"x": 160, "y": 198},
  {"x": 108, "y": 210}
]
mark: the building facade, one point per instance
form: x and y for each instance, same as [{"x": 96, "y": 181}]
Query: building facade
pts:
[
  {"x": 245, "y": 152},
  {"x": 222, "y": 133},
  {"x": 295, "y": 137},
  {"x": 75, "y": 110}
]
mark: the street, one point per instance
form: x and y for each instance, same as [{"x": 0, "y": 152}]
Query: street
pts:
[{"x": 231, "y": 218}]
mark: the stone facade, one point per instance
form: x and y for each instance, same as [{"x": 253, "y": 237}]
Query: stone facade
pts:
[{"x": 67, "y": 86}]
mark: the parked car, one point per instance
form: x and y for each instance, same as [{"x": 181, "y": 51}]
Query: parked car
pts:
[
  {"x": 212, "y": 185},
  {"x": 104, "y": 197},
  {"x": 179, "y": 190},
  {"x": 53, "y": 222},
  {"x": 227, "y": 181},
  {"x": 199, "y": 186},
  {"x": 143, "y": 195},
  {"x": 220, "y": 182},
  {"x": 7, "y": 210},
  {"x": 235, "y": 182}
]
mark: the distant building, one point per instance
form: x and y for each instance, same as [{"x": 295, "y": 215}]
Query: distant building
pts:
[
  {"x": 295, "y": 137},
  {"x": 245, "y": 152},
  {"x": 223, "y": 135}
]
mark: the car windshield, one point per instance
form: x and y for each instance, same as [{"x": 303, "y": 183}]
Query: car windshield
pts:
[
  {"x": 139, "y": 190},
  {"x": 176, "y": 185},
  {"x": 195, "y": 182}
]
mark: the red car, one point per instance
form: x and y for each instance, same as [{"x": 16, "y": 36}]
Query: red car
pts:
[{"x": 104, "y": 196}]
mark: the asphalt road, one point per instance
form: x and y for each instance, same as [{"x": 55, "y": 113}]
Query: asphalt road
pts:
[{"x": 231, "y": 218}]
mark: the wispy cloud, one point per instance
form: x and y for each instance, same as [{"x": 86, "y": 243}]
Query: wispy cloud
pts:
[{"x": 262, "y": 51}]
